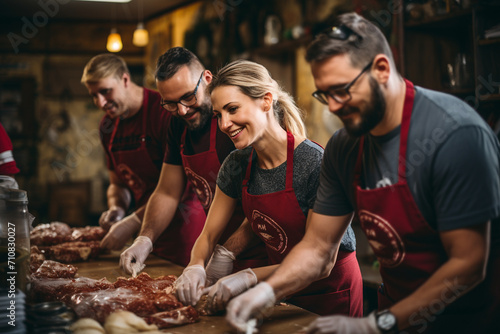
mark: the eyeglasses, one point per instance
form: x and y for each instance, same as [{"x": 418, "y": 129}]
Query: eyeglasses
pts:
[
  {"x": 187, "y": 101},
  {"x": 341, "y": 95}
]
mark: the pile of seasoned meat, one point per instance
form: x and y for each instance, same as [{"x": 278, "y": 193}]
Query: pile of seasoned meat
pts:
[
  {"x": 150, "y": 298},
  {"x": 59, "y": 242}
]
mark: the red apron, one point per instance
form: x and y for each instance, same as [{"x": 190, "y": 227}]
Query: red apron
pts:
[
  {"x": 135, "y": 167},
  {"x": 201, "y": 170},
  {"x": 279, "y": 221},
  {"x": 408, "y": 249}
]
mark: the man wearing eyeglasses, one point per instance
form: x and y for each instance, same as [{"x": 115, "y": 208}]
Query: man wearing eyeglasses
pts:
[
  {"x": 195, "y": 152},
  {"x": 420, "y": 171},
  {"x": 133, "y": 134}
]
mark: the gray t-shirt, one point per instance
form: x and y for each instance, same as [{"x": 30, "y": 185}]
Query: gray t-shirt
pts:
[
  {"x": 306, "y": 172},
  {"x": 452, "y": 165}
]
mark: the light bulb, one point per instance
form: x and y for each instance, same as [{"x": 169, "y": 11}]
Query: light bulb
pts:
[
  {"x": 114, "y": 43},
  {"x": 141, "y": 36}
]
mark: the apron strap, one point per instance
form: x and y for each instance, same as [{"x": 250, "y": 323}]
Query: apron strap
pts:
[
  {"x": 289, "y": 160},
  {"x": 403, "y": 141},
  {"x": 213, "y": 133},
  {"x": 359, "y": 160},
  {"x": 144, "y": 118},
  {"x": 249, "y": 169}
]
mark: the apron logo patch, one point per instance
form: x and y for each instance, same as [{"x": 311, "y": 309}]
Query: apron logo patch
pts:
[
  {"x": 274, "y": 237},
  {"x": 201, "y": 187},
  {"x": 133, "y": 181},
  {"x": 384, "y": 240}
]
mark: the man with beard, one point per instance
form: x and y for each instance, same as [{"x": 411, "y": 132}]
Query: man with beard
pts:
[
  {"x": 420, "y": 171},
  {"x": 196, "y": 149}
]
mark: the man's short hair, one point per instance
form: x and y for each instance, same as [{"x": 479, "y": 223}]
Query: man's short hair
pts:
[
  {"x": 103, "y": 66},
  {"x": 173, "y": 60},
  {"x": 363, "y": 41}
]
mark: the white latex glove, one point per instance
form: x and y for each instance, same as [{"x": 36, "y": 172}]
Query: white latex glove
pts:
[
  {"x": 120, "y": 232},
  {"x": 253, "y": 303},
  {"x": 190, "y": 284},
  {"x": 343, "y": 325},
  {"x": 114, "y": 214},
  {"x": 229, "y": 287},
  {"x": 220, "y": 265},
  {"x": 132, "y": 259}
]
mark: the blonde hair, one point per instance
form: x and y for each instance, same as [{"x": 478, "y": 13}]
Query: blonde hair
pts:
[
  {"x": 254, "y": 80},
  {"x": 103, "y": 66}
]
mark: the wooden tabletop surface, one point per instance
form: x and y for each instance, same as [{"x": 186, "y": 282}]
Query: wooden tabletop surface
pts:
[{"x": 283, "y": 319}]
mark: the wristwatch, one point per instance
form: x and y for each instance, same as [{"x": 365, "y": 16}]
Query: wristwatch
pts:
[{"x": 386, "y": 322}]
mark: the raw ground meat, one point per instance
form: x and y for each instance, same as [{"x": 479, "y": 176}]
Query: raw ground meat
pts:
[
  {"x": 50, "y": 289},
  {"x": 180, "y": 316},
  {"x": 57, "y": 233},
  {"x": 36, "y": 258},
  {"x": 53, "y": 269},
  {"x": 87, "y": 233},
  {"x": 70, "y": 252},
  {"x": 50, "y": 234},
  {"x": 98, "y": 305},
  {"x": 144, "y": 282}
]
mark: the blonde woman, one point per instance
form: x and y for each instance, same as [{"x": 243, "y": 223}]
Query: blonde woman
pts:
[{"x": 275, "y": 173}]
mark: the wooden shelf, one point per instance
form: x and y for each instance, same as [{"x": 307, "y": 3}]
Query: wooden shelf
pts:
[
  {"x": 459, "y": 91},
  {"x": 490, "y": 97},
  {"x": 489, "y": 41},
  {"x": 441, "y": 21}
]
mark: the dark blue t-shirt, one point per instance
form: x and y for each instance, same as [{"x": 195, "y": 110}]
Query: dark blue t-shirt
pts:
[{"x": 452, "y": 165}]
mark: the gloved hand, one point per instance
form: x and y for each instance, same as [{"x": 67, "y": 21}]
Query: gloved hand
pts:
[
  {"x": 345, "y": 325},
  {"x": 229, "y": 287},
  {"x": 114, "y": 214},
  {"x": 132, "y": 259},
  {"x": 254, "y": 302},
  {"x": 220, "y": 265},
  {"x": 190, "y": 284},
  {"x": 120, "y": 232}
]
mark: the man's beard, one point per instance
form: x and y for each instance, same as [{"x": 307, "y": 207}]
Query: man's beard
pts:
[
  {"x": 370, "y": 117},
  {"x": 205, "y": 111}
]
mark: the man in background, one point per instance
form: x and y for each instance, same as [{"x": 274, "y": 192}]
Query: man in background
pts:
[{"x": 134, "y": 137}]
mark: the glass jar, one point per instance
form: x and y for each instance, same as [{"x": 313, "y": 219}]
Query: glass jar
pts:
[{"x": 15, "y": 222}]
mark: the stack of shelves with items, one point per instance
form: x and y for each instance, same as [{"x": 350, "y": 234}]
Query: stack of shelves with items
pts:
[
  {"x": 486, "y": 21},
  {"x": 455, "y": 50}
]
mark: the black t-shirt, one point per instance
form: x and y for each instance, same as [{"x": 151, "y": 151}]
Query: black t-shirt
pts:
[{"x": 196, "y": 142}]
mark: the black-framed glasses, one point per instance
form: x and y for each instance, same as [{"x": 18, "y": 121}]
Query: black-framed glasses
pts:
[
  {"x": 187, "y": 101},
  {"x": 340, "y": 95}
]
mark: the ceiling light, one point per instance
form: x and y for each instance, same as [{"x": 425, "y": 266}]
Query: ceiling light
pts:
[
  {"x": 141, "y": 36},
  {"x": 114, "y": 43}
]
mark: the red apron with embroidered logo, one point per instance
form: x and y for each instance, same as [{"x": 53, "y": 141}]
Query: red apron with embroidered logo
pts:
[
  {"x": 279, "y": 221},
  {"x": 201, "y": 170},
  {"x": 408, "y": 249}
]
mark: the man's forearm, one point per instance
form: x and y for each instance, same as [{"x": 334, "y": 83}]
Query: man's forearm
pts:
[
  {"x": 305, "y": 264},
  {"x": 467, "y": 258},
  {"x": 159, "y": 213},
  {"x": 118, "y": 196},
  {"x": 243, "y": 238}
]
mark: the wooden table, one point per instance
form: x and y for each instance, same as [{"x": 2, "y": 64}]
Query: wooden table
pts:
[{"x": 283, "y": 319}]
